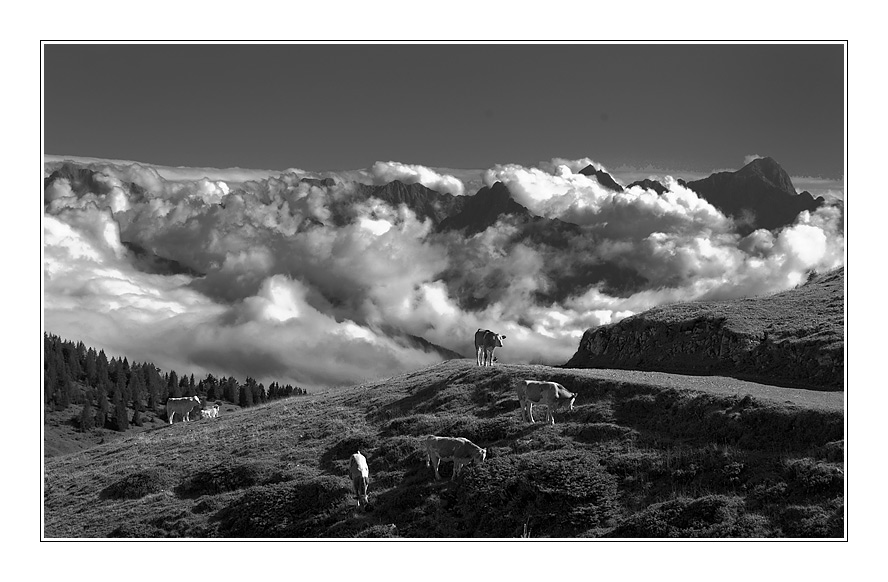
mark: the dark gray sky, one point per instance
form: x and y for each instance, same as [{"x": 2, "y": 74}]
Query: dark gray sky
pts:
[{"x": 335, "y": 107}]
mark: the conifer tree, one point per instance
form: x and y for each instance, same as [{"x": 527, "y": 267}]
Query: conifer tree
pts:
[
  {"x": 173, "y": 385},
  {"x": 102, "y": 412},
  {"x": 87, "y": 415},
  {"x": 121, "y": 422}
]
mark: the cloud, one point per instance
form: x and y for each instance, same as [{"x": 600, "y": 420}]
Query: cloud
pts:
[
  {"x": 751, "y": 158},
  {"x": 385, "y": 172},
  {"x": 303, "y": 282}
]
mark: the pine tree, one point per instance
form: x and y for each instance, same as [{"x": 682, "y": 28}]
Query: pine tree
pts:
[
  {"x": 102, "y": 413},
  {"x": 121, "y": 422},
  {"x": 246, "y": 396},
  {"x": 87, "y": 415},
  {"x": 90, "y": 367},
  {"x": 173, "y": 385},
  {"x": 136, "y": 389}
]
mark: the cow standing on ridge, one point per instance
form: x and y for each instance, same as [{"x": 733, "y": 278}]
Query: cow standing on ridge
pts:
[{"x": 485, "y": 342}]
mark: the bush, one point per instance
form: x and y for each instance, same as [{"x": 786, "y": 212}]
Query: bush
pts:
[
  {"x": 600, "y": 431},
  {"x": 229, "y": 476},
  {"x": 137, "y": 485},
  {"x": 560, "y": 493},
  {"x": 812, "y": 521},
  {"x": 301, "y": 509},
  {"x": 808, "y": 477},
  {"x": 833, "y": 452},
  {"x": 709, "y": 516}
]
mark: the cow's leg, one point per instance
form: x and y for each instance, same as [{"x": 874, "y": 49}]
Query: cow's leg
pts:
[
  {"x": 530, "y": 411},
  {"x": 478, "y": 352},
  {"x": 436, "y": 460},
  {"x": 457, "y": 465}
]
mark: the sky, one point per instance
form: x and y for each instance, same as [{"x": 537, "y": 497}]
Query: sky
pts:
[
  {"x": 199, "y": 152},
  {"x": 680, "y": 108}
]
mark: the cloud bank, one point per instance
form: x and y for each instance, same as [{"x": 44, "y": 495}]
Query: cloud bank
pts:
[{"x": 304, "y": 282}]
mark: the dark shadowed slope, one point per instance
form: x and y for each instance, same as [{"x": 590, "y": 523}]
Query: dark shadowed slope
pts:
[{"x": 796, "y": 337}]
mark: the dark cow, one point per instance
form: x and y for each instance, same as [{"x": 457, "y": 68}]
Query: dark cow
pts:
[
  {"x": 461, "y": 451},
  {"x": 552, "y": 394},
  {"x": 181, "y": 406},
  {"x": 485, "y": 342}
]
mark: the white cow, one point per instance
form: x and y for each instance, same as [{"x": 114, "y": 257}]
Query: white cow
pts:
[
  {"x": 552, "y": 394},
  {"x": 461, "y": 451},
  {"x": 360, "y": 476},
  {"x": 181, "y": 406},
  {"x": 211, "y": 412},
  {"x": 485, "y": 342}
]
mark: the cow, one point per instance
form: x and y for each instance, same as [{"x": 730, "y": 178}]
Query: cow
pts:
[
  {"x": 461, "y": 451},
  {"x": 211, "y": 412},
  {"x": 181, "y": 406},
  {"x": 552, "y": 394},
  {"x": 360, "y": 476},
  {"x": 485, "y": 342}
]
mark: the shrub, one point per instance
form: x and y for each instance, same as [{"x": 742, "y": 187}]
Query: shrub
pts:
[
  {"x": 807, "y": 476},
  {"x": 560, "y": 493},
  {"x": 833, "y": 452},
  {"x": 599, "y": 431},
  {"x": 137, "y": 485},
  {"x": 228, "y": 476},
  {"x": 300, "y": 509},
  {"x": 708, "y": 516},
  {"x": 813, "y": 521}
]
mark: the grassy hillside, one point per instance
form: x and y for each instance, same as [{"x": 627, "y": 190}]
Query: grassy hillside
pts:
[
  {"x": 794, "y": 338},
  {"x": 638, "y": 457}
]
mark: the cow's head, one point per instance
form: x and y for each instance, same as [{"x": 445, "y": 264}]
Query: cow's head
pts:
[
  {"x": 571, "y": 403},
  {"x": 479, "y": 456}
]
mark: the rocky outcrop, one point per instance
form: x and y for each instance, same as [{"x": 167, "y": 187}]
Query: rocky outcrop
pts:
[{"x": 703, "y": 340}]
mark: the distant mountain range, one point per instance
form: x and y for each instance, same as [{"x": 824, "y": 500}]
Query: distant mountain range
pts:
[{"x": 759, "y": 195}]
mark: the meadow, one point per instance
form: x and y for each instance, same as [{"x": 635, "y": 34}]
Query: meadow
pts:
[{"x": 643, "y": 455}]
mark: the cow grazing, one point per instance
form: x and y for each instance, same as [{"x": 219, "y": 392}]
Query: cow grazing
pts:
[
  {"x": 181, "y": 406},
  {"x": 461, "y": 451},
  {"x": 552, "y": 394},
  {"x": 211, "y": 412},
  {"x": 485, "y": 342},
  {"x": 360, "y": 476}
]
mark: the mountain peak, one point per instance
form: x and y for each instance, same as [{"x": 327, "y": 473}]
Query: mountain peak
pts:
[
  {"x": 484, "y": 209},
  {"x": 760, "y": 195},
  {"x": 603, "y": 177},
  {"x": 769, "y": 170}
]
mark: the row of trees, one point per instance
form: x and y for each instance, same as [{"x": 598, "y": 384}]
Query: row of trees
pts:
[{"x": 109, "y": 389}]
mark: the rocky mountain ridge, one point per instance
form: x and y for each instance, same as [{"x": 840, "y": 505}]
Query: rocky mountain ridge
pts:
[{"x": 741, "y": 338}]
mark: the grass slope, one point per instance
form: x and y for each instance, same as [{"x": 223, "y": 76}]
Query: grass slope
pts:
[{"x": 636, "y": 458}]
